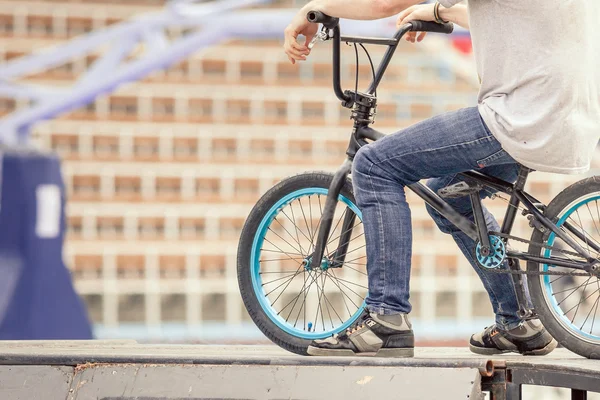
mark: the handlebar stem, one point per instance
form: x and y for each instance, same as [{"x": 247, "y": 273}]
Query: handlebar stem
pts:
[{"x": 337, "y": 82}]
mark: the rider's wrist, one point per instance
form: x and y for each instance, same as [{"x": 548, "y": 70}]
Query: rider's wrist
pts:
[{"x": 437, "y": 13}]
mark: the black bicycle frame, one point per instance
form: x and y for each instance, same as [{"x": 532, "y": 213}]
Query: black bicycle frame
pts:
[{"x": 362, "y": 105}]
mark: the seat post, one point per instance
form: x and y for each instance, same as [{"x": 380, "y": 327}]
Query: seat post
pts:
[{"x": 513, "y": 203}]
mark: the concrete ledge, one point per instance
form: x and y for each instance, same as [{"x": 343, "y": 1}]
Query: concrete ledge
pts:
[{"x": 127, "y": 370}]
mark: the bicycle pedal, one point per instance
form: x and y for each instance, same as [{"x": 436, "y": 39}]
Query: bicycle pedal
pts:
[{"x": 457, "y": 190}]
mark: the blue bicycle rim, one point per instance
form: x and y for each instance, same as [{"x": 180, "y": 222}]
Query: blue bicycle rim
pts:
[
  {"x": 547, "y": 278},
  {"x": 255, "y": 266}
]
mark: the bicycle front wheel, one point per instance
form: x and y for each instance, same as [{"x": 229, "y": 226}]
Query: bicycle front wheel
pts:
[
  {"x": 290, "y": 302},
  {"x": 568, "y": 305}
]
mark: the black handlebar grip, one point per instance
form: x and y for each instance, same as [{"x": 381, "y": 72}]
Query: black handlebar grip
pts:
[
  {"x": 319, "y": 18},
  {"x": 426, "y": 26}
]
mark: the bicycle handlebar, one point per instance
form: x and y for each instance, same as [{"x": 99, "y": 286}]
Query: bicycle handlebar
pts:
[
  {"x": 318, "y": 17},
  {"x": 427, "y": 26},
  {"x": 333, "y": 24}
]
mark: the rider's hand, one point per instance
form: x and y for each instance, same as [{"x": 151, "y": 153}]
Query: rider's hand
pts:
[
  {"x": 422, "y": 12},
  {"x": 299, "y": 26}
]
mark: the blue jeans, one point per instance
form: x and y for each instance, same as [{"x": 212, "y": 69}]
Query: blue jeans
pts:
[{"x": 437, "y": 148}]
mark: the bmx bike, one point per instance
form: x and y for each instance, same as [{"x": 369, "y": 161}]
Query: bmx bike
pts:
[{"x": 301, "y": 256}]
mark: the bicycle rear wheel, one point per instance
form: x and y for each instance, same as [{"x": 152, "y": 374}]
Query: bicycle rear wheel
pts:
[
  {"x": 291, "y": 303},
  {"x": 569, "y": 305}
]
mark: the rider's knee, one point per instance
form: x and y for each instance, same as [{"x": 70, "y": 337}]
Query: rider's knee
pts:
[{"x": 362, "y": 162}]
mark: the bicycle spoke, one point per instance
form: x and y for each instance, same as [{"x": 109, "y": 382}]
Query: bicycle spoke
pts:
[
  {"x": 564, "y": 290},
  {"x": 358, "y": 248},
  {"x": 560, "y": 277},
  {"x": 296, "y": 226},
  {"x": 281, "y": 259},
  {"x": 288, "y": 282},
  {"x": 354, "y": 269},
  {"x": 284, "y": 252},
  {"x": 323, "y": 281},
  {"x": 597, "y": 290},
  {"x": 304, "y": 288},
  {"x": 349, "y": 229},
  {"x": 302, "y": 305},
  {"x": 354, "y": 263},
  {"x": 286, "y": 286},
  {"x": 288, "y": 243},
  {"x": 341, "y": 282},
  {"x": 278, "y": 279},
  {"x": 589, "y": 312},
  {"x": 280, "y": 224},
  {"x": 592, "y": 218},
  {"x": 354, "y": 259},
  {"x": 280, "y": 251},
  {"x": 584, "y": 237},
  {"x": 573, "y": 292},
  {"x": 585, "y": 234},
  {"x": 283, "y": 212},
  {"x": 595, "y": 312},
  {"x": 332, "y": 307},
  {"x": 336, "y": 225},
  {"x": 344, "y": 294},
  {"x": 349, "y": 242},
  {"x": 305, "y": 222},
  {"x": 316, "y": 231},
  {"x": 319, "y": 307},
  {"x": 352, "y": 283}
]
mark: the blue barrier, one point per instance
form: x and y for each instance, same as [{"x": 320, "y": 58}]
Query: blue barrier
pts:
[{"x": 37, "y": 298}]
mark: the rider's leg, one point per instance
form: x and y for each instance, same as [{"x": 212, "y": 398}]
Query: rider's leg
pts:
[
  {"x": 499, "y": 286},
  {"x": 441, "y": 146}
]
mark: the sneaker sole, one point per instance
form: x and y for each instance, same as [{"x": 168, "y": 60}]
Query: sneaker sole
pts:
[
  {"x": 388, "y": 353},
  {"x": 491, "y": 351}
]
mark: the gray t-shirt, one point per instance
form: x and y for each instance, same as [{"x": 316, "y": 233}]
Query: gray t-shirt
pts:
[{"x": 539, "y": 65}]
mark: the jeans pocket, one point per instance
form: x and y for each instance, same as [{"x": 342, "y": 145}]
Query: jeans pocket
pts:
[{"x": 499, "y": 157}]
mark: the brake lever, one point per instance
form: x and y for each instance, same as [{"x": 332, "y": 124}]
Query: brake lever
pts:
[{"x": 321, "y": 36}]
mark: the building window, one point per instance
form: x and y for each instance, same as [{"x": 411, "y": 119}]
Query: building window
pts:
[
  {"x": 208, "y": 187},
  {"x": 275, "y": 111},
  {"x": 313, "y": 110},
  {"x": 64, "y": 144},
  {"x": 79, "y": 26},
  {"x": 39, "y": 26},
  {"x": 109, "y": 227},
  {"x": 105, "y": 146},
  {"x": 251, "y": 69},
  {"x": 132, "y": 308},
  {"x": 145, "y": 147},
  {"x": 86, "y": 185},
  {"x": 151, "y": 228},
  {"x": 238, "y": 110},
  {"x": 214, "y": 68},
  {"x": 200, "y": 109},
  {"x": 224, "y": 147},
  {"x": 123, "y": 106},
  {"x": 185, "y": 148},
  {"x": 192, "y": 228},
  {"x": 163, "y": 108},
  {"x": 6, "y": 25}
]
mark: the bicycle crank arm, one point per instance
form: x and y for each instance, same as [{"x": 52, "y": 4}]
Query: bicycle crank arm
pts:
[{"x": 328, "y": 213}]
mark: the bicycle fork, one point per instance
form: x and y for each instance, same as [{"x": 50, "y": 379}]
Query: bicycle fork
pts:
[{"x": 339, "y": 256}]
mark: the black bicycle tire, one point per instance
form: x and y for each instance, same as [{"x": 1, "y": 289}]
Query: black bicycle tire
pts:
[
  {"x": 562, "y": 335},
  {"x": 259, "y": 317}
]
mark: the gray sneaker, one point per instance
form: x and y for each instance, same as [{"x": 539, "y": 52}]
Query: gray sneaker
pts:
[
  {"x": 372, "y": 335},
  {"x": 529, "y": 338}
]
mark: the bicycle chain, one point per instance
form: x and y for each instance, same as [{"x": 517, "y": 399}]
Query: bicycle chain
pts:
[{"x": 534, "y": 273}]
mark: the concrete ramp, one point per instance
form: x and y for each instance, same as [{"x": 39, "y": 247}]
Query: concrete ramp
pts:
[{"x": 127, "y": 370}]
